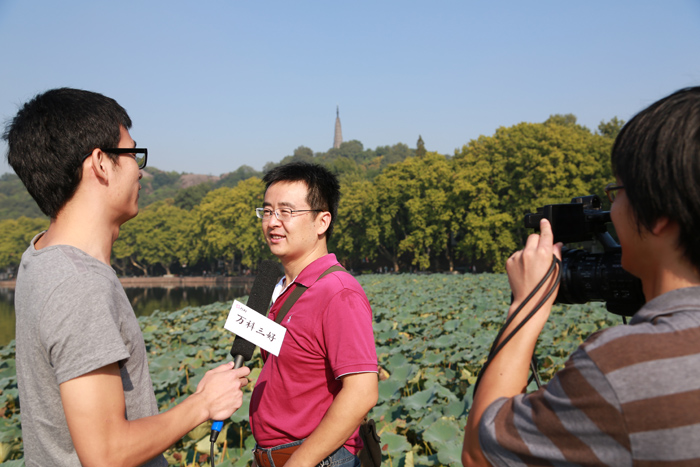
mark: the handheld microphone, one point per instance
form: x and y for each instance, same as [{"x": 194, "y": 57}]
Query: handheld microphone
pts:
[{"x": 258, "y": 300}]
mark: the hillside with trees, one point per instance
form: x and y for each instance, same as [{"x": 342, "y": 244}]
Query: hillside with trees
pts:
[{"x": 401, "y": 208}]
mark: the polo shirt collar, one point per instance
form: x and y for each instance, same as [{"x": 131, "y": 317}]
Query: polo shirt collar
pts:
[{"x": 311, "y": 272}]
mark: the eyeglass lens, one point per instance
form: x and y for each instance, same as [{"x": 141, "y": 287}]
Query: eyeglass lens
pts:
[{"x": 140, "y": 160}]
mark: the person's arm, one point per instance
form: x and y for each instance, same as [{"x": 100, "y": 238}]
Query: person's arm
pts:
[
  {"x": 94, "y": 406},
  {"x": 507, "y": 374},
  {"x": 356, "y": 398}
]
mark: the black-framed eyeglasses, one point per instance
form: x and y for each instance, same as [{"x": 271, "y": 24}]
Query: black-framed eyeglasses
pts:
[
  {"x": 611, "y": 191},
  {"x": 283, "y": 214},
  {"x": 140, "y": 155}
]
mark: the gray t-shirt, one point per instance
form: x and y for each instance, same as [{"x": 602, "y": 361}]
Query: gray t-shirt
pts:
[{"x": 73, "y": 317}]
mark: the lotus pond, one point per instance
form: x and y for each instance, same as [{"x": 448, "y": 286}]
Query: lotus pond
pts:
[{"x": 433, "y": 333}]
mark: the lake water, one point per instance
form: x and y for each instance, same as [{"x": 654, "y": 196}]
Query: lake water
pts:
[{"x": 144, "y": 300}]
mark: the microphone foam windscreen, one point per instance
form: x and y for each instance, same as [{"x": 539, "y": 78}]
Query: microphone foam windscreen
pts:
[
  {"x": 264, "y": 286},
  {"x": 258, "y": 300}
]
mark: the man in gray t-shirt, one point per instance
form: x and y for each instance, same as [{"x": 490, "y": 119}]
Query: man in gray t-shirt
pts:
[{"x": 85, "y": 391}]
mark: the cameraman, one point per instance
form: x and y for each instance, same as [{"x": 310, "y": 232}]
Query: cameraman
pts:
[{"x": 629, "y": 394}]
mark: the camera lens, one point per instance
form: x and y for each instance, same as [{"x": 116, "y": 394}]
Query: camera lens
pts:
[{"x": 588, "y": 277}]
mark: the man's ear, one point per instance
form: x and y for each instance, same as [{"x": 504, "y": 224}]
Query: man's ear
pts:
[
  {"x": 662, "y": 225},
  {"x": 99, "y": 164},
  {"x": 324, "y": 221}
]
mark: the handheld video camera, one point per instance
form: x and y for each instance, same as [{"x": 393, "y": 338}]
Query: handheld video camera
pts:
[{"x": 588, "y": 277}]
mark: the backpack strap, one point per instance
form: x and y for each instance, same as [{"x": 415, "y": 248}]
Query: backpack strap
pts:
[{"x": 300, "y": 289}]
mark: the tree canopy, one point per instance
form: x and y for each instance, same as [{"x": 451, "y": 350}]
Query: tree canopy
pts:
[{"x": 401, "y": 208}]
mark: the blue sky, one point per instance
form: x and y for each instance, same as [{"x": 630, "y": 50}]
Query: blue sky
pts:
[{"x": 212, "y": 85}]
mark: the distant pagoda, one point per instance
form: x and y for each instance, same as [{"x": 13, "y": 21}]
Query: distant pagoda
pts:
[{"x": 338, "y": 139}]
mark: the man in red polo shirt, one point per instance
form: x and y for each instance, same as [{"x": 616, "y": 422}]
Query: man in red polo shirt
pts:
[{"x": 310, "y": 401}]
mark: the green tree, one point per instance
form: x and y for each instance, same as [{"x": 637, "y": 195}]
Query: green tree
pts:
[
  {"x": 356, "y": 231},
  {"x": 482, "y": 226},
  {"x": 190, "y": 197},
  {"x": 228, "y": 227},
  {"x": 159, "y": 235},
  {"x": 302, "y": 153},
  {"x": 163, "y": 179},
  {"x": 16, "y": 235},
  {"x": 564, "y": 120},
  {"x": 353, "y": 150},
  {"x": 611, "y": 128},
  {"x": 231, "y": 179},
  {"x": 414, "y": 216},
  {"x": 15, "y": 200},
  {"x": 157, "y": 185},
  {"x": 388, "y": 155},
  {"x": 502, "y": 177},
  {"x": 420, "y": 147}
]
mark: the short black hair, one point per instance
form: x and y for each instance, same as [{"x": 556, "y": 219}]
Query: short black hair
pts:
[
  {"x": 51, "y": 134},
  {"x": 323, "y": 186},
  {"x": 657, "y": 158}
]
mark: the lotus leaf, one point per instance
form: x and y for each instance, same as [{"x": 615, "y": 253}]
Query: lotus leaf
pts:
[
  {"x": 429, "y": 417},
  {"x": 449, "y": 376},
  {"x": 203, "y": 446},
  {"x": 425, "y": 461},
  {"x": 451, "y": 453},
  {"x": 241, "y": 415},
  {"x": 393, "y": 444},
  {"x": 247, "y": 454},
  {"x": 434, "y": 358},
  {"x": 9, "y": 433},
  {"x": 390, "y": 335},
  {"x": 8, "y": 382},
  {"x": 200, "y": 431},
  {"x": 451, "y": 325},
  {"x": 166, "y": 378},
  {"x": 442, "y": 431},
  {"x": 455, "y": 408},
  {"x": 5, "y": 451},
  {"x": 396, "y": 361},
  {"x": 164, "y": 361},
  {"x": 386, "y": 413},
  {"x": 403, "y": 373},
  {"x": 385, "y": 425},
  {"x": 389, "y": 389},
  {"x": 383, "y": 326},
  {"x": 419, "y": 400},
  {"x": 408, "y": 459},
  {"x": 432, "y": 375},
  {"x": 150, "y": 329},
  {"x": 11, "y": 393},
  {"x": 14, "y": 463},
  {"x": 192, "y": 362},
  {"x": 443, "y": 392},
  {"x": 199, "y": 326},
  {"x": 459, "y": 355}
]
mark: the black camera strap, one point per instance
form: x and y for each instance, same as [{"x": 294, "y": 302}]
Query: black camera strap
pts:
[{"x": 555, "y": 268}]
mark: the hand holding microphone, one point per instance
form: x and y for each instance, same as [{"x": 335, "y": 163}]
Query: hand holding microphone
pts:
[
  {"x": 259, "y": 299},
  {"x": 222, "y": 388}
]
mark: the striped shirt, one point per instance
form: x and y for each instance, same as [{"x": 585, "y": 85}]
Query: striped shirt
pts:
[{"x": 629, "y": 395}]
